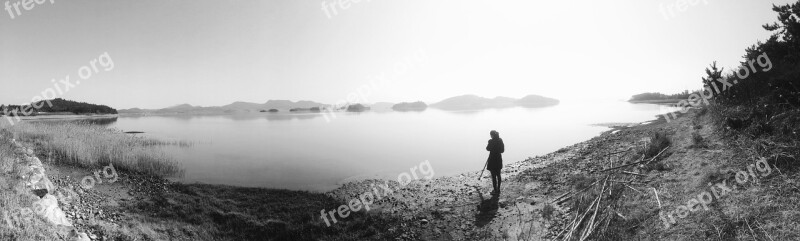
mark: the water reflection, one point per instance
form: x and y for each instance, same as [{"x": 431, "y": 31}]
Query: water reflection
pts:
[
  {"x": 236, "y": 117},
  {"x": 303, "y": 151},
  {"x": 104, "y": 121}
]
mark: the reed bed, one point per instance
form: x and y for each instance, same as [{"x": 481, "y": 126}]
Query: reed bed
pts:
[{"x": 87, "y": 145}]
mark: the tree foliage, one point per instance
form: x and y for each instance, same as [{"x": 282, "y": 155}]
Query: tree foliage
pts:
[
  {"x": 755, "y": 84},
  {"x": 56, "y": 105}
]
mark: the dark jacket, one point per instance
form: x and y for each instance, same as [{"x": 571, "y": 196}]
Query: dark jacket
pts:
[{"x": 495, "y": 148}]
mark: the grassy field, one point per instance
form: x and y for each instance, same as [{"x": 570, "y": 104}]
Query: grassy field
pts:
[{"x": 87, "y": 145}]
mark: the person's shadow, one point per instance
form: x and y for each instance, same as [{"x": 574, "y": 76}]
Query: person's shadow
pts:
[{"x": 487, "y": 210}]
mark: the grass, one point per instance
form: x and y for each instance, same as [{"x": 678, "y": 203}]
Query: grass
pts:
[
  {"x": 180, "y": 212},
  {"x": 16, "y": 221},
  {"x": 87, "y": 145}
]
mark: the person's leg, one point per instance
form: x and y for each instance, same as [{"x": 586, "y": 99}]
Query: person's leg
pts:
[
  {"x": 494, "y": 182},
  {"x": 499, "y": 181}
]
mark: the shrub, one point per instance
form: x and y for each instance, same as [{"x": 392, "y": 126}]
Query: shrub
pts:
[
  {"x": 698, "y": 141},
  {"x": 657, "y": 142}
]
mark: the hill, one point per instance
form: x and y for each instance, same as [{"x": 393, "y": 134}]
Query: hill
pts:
[
  {"x": 236, "y": 107},
  {"x": 58, "y": 105},
  {"x": 655, "y": 97},
  {"x": 537, "y": 101},
  {"x": 474, "y": 102},
  {"x": 415, "y": 106}
]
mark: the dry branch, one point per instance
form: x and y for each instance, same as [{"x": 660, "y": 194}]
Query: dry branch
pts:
[{"x": 634, "y": 163}]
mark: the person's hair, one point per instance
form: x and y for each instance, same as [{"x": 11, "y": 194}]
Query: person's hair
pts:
[{"x": 494, "y": 134}]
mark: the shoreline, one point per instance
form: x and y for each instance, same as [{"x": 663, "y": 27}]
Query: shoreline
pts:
[
  {"x": 61, "y": 117},
  {"x": 658, "y": 102},
  {"x": 130, "y": 201}
]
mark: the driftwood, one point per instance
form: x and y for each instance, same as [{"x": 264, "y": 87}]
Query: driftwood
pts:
[
  {"x": 570, "y": 193},
  {"x": 590, "y": 227},
  {"x": 657, "y": 199},
  {"x": 616, "y": 152},
  {"x": 634, "y": 163},
  {"x": 637, "y": 190},
  {"x": 659, "y": 153},
  {"x": 633, "y": 173}
]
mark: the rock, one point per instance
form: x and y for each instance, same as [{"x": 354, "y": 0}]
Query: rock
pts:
[
  {"x": 76, "y": 236},
  {"x": 423, "y": 222},
  {"x": 40, "y": 192},
  {"x": 34, "y": 175},
  {"x": 44, "y": 183},
  {"x": 34, "y": 161},
  {"x": 47, "y": 207}
]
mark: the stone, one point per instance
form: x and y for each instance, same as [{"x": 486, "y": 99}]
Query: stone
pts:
[
  {"x": 76, "y": 236},
  {"x": 34, "y": 174},
  {"x": 34, "y": 161},
  {"x": 47, "y": 207},
  {"x": 44, "y": 183}
]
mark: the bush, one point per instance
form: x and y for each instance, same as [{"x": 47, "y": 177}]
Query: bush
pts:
[
  {"x": 657, "y": 142},
  {"x": 698, "y": 141}
]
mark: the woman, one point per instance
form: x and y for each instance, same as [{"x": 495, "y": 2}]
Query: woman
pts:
[{"x": 495, "y": 161}]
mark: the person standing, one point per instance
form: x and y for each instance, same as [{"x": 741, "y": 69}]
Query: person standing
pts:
[{"x": 495, "y": 161}]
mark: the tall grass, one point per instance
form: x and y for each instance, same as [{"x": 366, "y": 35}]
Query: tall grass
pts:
[{"x": 87, "y": 145}]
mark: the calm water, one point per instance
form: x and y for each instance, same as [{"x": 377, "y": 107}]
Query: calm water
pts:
[{"x": 305, "y": 152}]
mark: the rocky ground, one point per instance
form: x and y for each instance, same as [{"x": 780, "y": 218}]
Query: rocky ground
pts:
[
  {"x": 461, "y": 208},
  {"x": 531, "y": 206}
]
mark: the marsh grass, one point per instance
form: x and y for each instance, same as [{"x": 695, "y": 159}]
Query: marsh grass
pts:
[{"x": 87, "y": 145}]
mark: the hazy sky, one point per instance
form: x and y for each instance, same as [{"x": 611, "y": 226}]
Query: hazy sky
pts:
[{"x": 216, "y": 52}]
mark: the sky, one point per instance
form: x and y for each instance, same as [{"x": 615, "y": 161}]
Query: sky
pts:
[{"x": 213, "y": 53}]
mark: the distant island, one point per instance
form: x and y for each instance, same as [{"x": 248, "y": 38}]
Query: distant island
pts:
[
  {"x": 236, "y": 107},
  {"x": 414, "y": 106},
  {"x": 381, "y": 106},
  {"x": 56, "y": 107},
  {"x": 357, "y": 108},
  {"x": 474, "y": 102},
  {"x": 464, "y": 102},
  {"x": 659, "y": 98}
]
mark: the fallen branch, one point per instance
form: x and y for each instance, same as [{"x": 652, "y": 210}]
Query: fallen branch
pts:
[
  {"x": 616, "y": 152},
  {"x": 633, "y": 173},
  {"x": 637, "y": 190},
  {"x": 573, "y": 193},
  {"x": 634, "y": 163},
  {"x": 588, "y": 231},
  {"x": 628, "y": 182},
  {"x": 657, "y": 199},
  {"x": 659, "y": 153}
]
